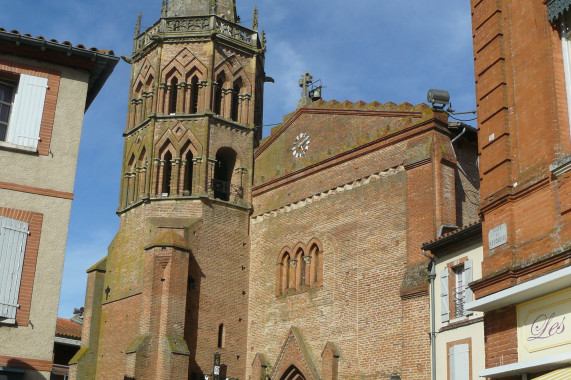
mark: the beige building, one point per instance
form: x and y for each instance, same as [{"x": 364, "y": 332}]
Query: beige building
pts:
[
  {"x": 45, "y": 88},
  {"x": 457, "y": 333}
]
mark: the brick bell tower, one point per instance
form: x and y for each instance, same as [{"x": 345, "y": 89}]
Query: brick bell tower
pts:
[{"x": 173, "y": 289}]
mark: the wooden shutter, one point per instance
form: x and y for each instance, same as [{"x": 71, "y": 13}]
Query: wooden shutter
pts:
[
  {"x": 444, "y": 309},
  {"x": 459, "y": 362},
  {"x": 462, "y": 359},
  {"x": 26, "y": 118},
  {"x": 451, "y": 362},
  {"x": 13, "y": 237},
  {"x": 468, "y": 293}
]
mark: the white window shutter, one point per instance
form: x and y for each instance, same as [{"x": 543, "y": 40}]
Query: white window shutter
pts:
[
  {"x": 13, "y": 237},
  {"x": 468, "y": 293},
  {"x": 462, "y": 362},
  {"x": 451, "y": 362},
  {"x": 26, "y": 118},
  {"x": 444, "y": 309}
]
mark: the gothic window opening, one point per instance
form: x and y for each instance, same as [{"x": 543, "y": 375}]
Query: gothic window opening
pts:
[
  {"x": 302, "y": 268},
  {"x": 173, "y": 95},
  {"x": 316, "y": 266},
  {"x": 194, "y": 95},
  {"x": 167, "y": 173},
  {"x": 129, "y": 181},
  {"x": 141, "y": 173},
  {"x": 224, "y": 167},
  {"x": 236, "y": 99},
  {"x": 299, "y": 272},
  {"x": 220, "y": 80},
  {"x": 221, "y": 336},
  {"x": 187, "y": 184}
]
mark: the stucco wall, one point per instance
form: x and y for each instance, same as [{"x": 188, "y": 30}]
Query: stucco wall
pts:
[
  {"x": 55, "y": 171},
  {"x": 459, "y": 329}
]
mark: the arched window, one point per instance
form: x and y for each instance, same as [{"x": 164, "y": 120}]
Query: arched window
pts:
[
  {"x": 236, "y": 99},
  {"x": 167, "y": 173},
  {"x": 316, "y": 266},
  {"x": 301, "y": 268},
  {"x": 130, "y": 180},
  {"x": 220, "y": 80},
  {"x": 173, "y": 95},
  {"x": 187, "y": 184},
  {"x": 222, "y": 182},
  {"x": 194, "y": 95},
  {"x": 141, "y": 172},
  {"x": 221, "y": 336}
]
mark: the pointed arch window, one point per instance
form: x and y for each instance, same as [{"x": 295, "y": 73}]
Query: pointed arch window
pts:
[
  {"x": 167, "y": 174},
  {"x": 194, "y": 95},
  {"x": 236, "y": 99},
  {"x": 173, "y": 95},
  {"x": 187, "y": 184},
  {"x": 220, "y": 80},
  {"x": 300, "y": 272}
]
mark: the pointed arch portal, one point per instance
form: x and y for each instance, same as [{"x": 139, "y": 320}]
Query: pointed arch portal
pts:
[{"x": 292, "y": 373}]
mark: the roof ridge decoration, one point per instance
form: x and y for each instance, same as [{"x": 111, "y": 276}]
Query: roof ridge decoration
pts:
[{"x": 388, "y": 109}]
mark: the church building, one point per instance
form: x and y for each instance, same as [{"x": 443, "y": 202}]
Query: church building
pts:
[{"x": 294, "y": 256}]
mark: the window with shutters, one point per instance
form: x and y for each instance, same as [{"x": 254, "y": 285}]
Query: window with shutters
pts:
[
  {"x": 459, "y": 360},
  {"x": 19, "y": 242},
  {"x": 22, "y": 106},
  {"x": 28, "y": 95},
  {"x": 13, "y": 238},
  {"x": 455, "y": 292}
]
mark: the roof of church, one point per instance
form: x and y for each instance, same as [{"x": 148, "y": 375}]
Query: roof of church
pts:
[{"x": 329, "y": 129}]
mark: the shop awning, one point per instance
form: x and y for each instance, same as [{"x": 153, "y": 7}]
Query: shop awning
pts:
[
  {"x": 555, "y": 8},
  {"x": 560, "y": 374}
]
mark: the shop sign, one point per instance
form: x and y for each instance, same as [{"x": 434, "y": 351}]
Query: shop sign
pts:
[{"x": 544, "y": 325}]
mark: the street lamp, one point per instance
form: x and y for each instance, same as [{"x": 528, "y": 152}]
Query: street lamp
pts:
[{"x": 216, "y": 369}]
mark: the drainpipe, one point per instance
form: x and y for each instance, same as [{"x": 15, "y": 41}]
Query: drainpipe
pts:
[
  {"x": 432, "y": 277},
  {"x": 457, "y": 137}
]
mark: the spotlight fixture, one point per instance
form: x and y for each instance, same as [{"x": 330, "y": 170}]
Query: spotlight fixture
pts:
[{"x": 438, "y": 98}]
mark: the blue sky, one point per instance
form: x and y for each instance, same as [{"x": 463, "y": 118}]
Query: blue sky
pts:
[{"x": 361, "y": 50}]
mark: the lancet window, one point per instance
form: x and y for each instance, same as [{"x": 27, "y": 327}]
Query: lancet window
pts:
[{"x": 299, "y": 270}]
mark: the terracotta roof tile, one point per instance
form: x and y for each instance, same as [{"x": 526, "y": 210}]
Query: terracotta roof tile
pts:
[
  {"x": 68, "y": 329},
  {"x": 64, "y": 43}
]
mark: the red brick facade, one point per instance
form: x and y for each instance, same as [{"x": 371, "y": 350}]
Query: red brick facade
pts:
[
  {"x": 288, "y": 266},
  {"x": 524, "y": 128}
]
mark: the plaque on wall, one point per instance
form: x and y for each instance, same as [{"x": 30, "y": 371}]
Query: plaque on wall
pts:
[{"x": 498, "y": 236}]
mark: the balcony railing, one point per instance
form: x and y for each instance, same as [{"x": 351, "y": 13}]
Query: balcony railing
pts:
[
  {"x": 459, "y": 301},
  {"x": 226, "y": 191}
]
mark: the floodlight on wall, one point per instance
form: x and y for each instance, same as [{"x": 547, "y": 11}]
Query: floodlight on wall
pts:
[
  {"x": 395, "y": 376},
  {"x": 438, "y": 98}
]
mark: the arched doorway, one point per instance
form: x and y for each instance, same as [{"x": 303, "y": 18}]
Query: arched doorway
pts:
[{"x": 292, "y": 373}]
